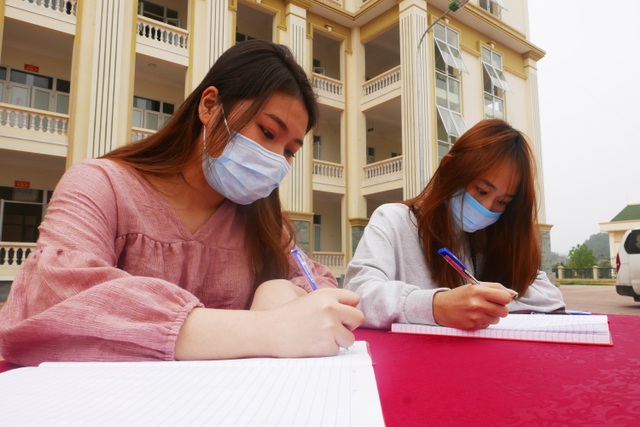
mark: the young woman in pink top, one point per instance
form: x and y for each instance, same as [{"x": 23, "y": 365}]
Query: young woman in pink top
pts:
[{"x": 176, "y": 246}]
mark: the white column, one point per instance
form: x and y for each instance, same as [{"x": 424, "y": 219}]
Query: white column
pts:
[
  {"x": 354, "y": 142},
  {"x": 209, "y": 32},
  {"x": 416, "y": 141},
  {"x": 296, "y": 192},
  {"x": 101, "y": 70},
  {"x": 535, "y": 135}
]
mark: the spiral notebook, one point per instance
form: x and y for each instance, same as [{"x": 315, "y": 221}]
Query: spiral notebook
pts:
[
  {"x": 572, "y": 329},
  {"x": 323, "y": 391}
]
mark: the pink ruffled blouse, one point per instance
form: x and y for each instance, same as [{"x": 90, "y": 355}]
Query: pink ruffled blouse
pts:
[{"x": 116, "y": 272}]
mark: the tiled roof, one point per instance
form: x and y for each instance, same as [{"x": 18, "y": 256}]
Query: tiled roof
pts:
[{"x": 629, "y": 213}]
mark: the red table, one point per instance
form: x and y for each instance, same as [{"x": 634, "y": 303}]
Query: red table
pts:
[
  {"x": 455, "y": 381},
  {"x": 451, "y": 381}
]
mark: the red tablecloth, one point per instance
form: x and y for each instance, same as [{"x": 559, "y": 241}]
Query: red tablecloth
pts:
[
  {"x": 449, "y": 381},
  {"x": 453, "y": 381}
]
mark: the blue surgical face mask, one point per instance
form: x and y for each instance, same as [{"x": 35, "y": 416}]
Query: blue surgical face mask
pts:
[
  {"x": 245, "y": 171},
  {"x": 471, "y": 213}
]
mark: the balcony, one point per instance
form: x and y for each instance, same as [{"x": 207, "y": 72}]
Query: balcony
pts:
[
  {"x": 35, "y": 126},
  {"x": 382, "y": 176},
  {"x": 12, "y": 256},
  {"x": 381, "y": 88},
  {"x": 330, "y": 91},
  {"x": 328, "y": 176},
  {"x": 333, "y": 260},
  {"x": 159, "y": 40},
  {"x": 62, "y": 13},
  {"x": 140, "y": 133}
]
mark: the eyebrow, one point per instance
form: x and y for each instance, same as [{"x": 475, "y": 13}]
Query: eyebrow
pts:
[
  {"x": 490, "y": 184},
  {"x": 283, "y": 126}
]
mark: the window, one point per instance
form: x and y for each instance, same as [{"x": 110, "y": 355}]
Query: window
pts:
[
  {"x": 3, "y": 77},
  {"x": 494, "y": 84},
  {"x": 632, "y": 243},
  {"x": 21, "y": 211},
  {"x": 494, "y": 7},
  {"x": 243, "y": 37},
  {"x": 62, "y": 96},
  {"x": 317, "y": 232},
  {"x": 34, "y": 90},
  {"x": 371, "y": 155},
  {"x": 158, "y": 13},
  {"x": 149, "y": 113},
  {"x": 448, "y": 68},
  {"x": 317, "y": 147}
]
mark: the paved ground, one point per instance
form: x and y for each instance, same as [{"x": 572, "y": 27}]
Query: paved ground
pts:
[{"x": 598, "y": 299}]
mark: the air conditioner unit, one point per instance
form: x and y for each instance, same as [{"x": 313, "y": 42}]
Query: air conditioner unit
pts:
[{"x": 318, "y": 70}]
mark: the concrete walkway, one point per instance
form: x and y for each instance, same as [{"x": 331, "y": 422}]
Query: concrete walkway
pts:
[{"x": 598, "y": 299}]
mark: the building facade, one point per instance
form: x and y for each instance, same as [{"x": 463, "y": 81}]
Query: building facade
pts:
[{"x": 79, "y": 78}]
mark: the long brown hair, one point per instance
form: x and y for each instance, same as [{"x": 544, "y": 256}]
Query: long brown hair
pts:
[
  {"x": 252, "y": 70},
  {"x": 509, "y": 251}
]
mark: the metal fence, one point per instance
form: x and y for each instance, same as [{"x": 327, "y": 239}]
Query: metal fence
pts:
[{"x": 594, "y": 272}]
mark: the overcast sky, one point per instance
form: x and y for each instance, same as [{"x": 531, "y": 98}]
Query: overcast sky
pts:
[{"x": 589, "y": 93}]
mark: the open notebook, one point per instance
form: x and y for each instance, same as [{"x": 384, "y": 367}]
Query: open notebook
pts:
[
  {"x": 328, "y": 391},
  {"x": 590, "y": 329}
]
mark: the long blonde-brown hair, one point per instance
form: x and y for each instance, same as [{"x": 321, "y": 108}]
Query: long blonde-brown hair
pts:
[
  {"x": 252, "y": 70},
  {"x": 507, "y": 252}
]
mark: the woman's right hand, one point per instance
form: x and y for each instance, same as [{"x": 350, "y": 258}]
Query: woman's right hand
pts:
[
  {"x": 316, "y": 324},
  {"x": 472, "y": 307}
]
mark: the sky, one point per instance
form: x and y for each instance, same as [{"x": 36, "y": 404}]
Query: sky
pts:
[{"x": 589, "y": 96}]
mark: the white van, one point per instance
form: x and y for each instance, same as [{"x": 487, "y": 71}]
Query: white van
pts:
[{"x": 628, "y": 265}]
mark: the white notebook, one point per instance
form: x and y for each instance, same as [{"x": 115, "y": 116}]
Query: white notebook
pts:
[
  {"x": 327, "y": 391},
  {"x": 574, "y": 329}
]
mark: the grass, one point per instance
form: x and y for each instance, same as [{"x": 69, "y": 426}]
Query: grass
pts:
[{"x": 588, "y": 282}]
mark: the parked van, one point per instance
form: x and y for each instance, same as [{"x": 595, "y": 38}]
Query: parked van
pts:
[{"x": 628, "y": 265}]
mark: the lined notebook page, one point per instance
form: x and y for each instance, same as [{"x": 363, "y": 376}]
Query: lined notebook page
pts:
[
  {"x": 329, "y": 391},
  {"x": 590, "y": 329}
]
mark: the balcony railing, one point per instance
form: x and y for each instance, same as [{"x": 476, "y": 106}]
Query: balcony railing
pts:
[
  {"x": 390, "y": 168},
  {"x": 53, "y": 8},
  {"x": 12, "y": 256},
  {"x": 328, "y": 169},
  {"x": 140, "y": 133},
  {"x": 163, "y": 36},
  {"x": 44, "y": 122},
  {"x": 333, "y": 260},
  {"x": 386, "y": 81},
  {"x": 328, "y": 87}
]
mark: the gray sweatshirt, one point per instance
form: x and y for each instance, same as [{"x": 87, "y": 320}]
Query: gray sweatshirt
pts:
[{"x": 389, "y": 273}]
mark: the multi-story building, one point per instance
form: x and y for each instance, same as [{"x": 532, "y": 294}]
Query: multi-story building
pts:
[{"x": 79, "y": 78}]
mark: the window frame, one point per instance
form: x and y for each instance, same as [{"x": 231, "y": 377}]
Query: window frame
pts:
[
  {"x": 146, "y": 113},
  {"x": 449, "y": 120},
  {"x": 494, "y": 99}
]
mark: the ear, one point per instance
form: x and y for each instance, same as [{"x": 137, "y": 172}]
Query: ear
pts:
[{"x": 209, "y": 105}]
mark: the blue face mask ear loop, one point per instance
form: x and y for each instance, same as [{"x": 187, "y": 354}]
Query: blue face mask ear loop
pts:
[
  {"x": 224, "y": 118},
  {"x": 204, "y": 137},
  {"x": 204, "y": 130}
]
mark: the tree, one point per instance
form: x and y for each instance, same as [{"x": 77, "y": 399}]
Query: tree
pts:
[{"x": 581, "y": 256}]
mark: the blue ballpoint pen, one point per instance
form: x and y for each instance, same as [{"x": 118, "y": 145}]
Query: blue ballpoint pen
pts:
[
  {"x": 304, "y": 267},
  {"x": 460, "y": 267},
  {"x": 457, "y": 264}
]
